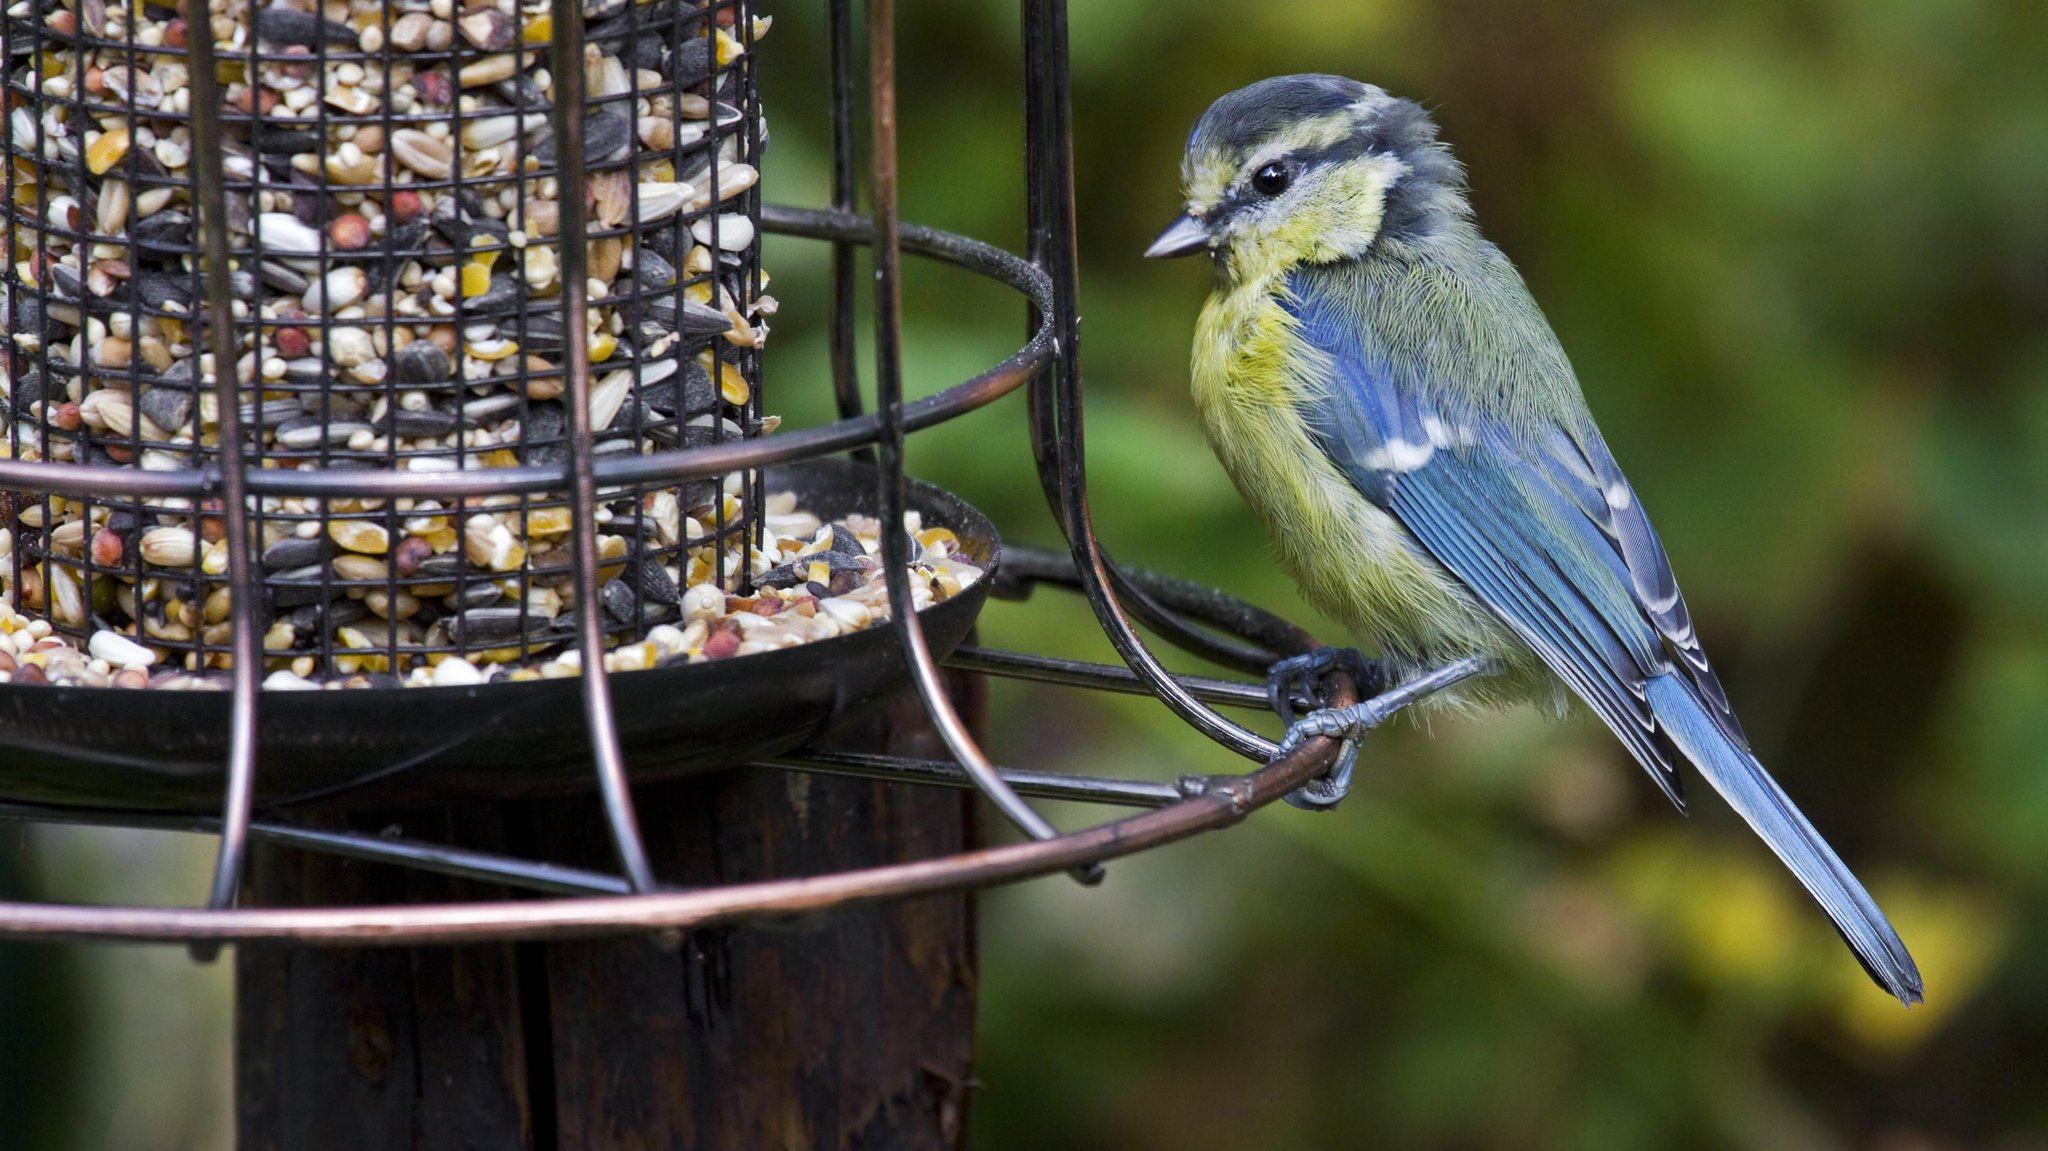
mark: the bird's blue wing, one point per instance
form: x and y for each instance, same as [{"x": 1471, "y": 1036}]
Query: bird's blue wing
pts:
[
  {"x": 1516, "y": 526},
  {"x": 1541, "y": 525}
]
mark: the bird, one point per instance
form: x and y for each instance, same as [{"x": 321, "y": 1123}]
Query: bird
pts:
[{"x": 1388, "y": 397}]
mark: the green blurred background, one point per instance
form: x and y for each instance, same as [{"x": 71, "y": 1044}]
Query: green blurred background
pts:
[{"x": 1798, "y": 252}]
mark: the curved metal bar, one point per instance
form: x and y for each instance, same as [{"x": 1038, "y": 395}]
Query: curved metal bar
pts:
[
  {"x": 896, "y": 557},
  {"x": 103, "y": 480},
  {"x": 231, "y": 478},
  {"x": 1051, "y": 206},
  {"x": 1219, "y": 802},
  {"x": 565, "y": 54}
]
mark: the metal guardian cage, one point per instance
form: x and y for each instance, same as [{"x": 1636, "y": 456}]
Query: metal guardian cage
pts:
[{"x": 336, "y": 444}]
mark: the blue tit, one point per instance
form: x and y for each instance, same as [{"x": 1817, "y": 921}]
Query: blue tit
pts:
[{"x": 1383, "y": 390}]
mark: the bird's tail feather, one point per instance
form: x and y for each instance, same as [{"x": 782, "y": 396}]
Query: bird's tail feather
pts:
[{"x": 1742, "y": 781}]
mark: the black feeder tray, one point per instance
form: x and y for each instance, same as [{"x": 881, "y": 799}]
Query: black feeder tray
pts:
[{"x": 167, "y": 750}]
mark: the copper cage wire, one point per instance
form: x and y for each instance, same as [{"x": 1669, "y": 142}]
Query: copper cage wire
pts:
[{"x": 1047, "y": 368}]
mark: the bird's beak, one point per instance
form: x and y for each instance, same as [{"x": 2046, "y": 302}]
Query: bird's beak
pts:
[{"x": 1184, "y": 237}]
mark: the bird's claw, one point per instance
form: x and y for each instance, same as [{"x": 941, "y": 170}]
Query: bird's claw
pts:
[
  {"x": 1327, "y": 790},
  {"x": 1302, "y": 676},
  {"x": 1348, "y": 724}
]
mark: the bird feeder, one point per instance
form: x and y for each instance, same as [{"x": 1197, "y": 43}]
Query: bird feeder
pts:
[{"x": 388, "y": 446}]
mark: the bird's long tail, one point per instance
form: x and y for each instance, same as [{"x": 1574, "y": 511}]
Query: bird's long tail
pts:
[{"x": 1742, "y": 781}]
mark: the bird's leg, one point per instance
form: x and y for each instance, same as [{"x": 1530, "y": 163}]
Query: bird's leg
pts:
[
  {"x": 1301, "y": 677},
  {"x": 1350, "y": 724}
]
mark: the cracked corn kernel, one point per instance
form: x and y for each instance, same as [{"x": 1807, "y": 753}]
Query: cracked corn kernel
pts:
[
  {"x": 102, "y": 154},
  {"x": 732, "y": 385}
]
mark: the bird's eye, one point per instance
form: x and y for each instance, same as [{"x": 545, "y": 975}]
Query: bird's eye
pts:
[{"x": 1272, "y": 179}]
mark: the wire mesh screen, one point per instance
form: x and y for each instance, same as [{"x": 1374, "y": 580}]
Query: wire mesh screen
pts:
[{"x": 393, "y": 187}]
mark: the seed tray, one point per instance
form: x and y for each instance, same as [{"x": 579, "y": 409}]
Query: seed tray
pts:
[{"x": 167, "y": 750}]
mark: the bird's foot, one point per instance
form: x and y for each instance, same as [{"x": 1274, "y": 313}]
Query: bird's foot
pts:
[
  {"x": 1350, "y": 724},
  {"x": 1347, "y": 724},
  {"x": 1302, "y": 677}
]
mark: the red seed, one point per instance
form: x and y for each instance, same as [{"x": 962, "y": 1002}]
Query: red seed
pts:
[
  {"x": 119, "y": 454},
  {"x": 33, "y": 673},
  {"x": 211, "y": 529},
  {"x": 767, "y": 605},
  {"x": 66, "y": 417},
  {"x": 434, "y": 86},
  {"x": 411, "y": 553},
  {"x": 6, "y": 661},
  {"x": 292, "y": 343},
  {"x": 106, "y": 548},
  {"x": 722, "y": 645},
  {"x": 405, "y": 206},
  {"x": 174, "y": 34},
  {"x": 349, "y": 231}
]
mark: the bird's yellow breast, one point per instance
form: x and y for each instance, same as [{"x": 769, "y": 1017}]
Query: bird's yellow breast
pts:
[{"x": 1253, "y": 378}]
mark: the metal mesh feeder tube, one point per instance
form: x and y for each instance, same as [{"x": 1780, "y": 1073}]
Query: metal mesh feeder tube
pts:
[{"x": 398, "y": 296}]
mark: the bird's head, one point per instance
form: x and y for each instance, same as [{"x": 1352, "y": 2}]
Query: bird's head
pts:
[{"x": 1310, "y": 169}]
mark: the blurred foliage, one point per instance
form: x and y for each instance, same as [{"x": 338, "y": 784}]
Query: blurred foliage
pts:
[{"x": 1798, "y": 253}]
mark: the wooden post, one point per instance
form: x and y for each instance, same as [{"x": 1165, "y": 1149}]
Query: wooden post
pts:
[{"x": 853, "y": 1029}]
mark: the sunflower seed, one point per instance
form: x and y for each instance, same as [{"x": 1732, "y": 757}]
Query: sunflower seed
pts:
[
  {"x": 421, "y": 362},
  {"x": 429, "y": 424},
  {"x": 691, "y": 63},
  {"x": 607, "y": 397},
  {"x": 311, "y": 431},
  {"x": 289, "y": 26},
  {"x": 659, "y": 199},
  {"x": 482, "y": 626},
  {"x": 166, "y": 231},
  {"x": 270, "y": 413},
  {"x": 167, "y": 408},
  {"x": 652, "y": 581},
  {"x": 296, "y": 552},
  {"x": 284, "y": 232},
  {"x": 119, "y": 650}
]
